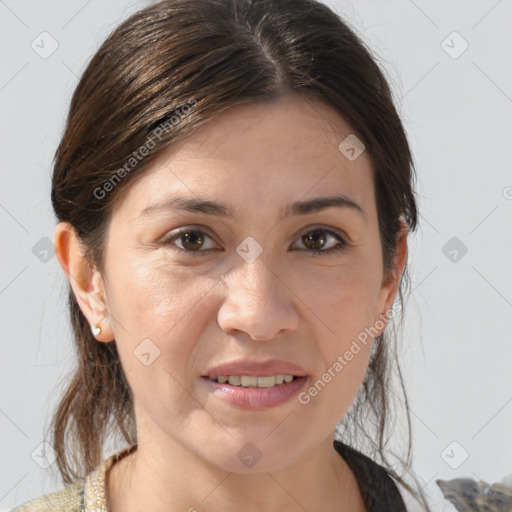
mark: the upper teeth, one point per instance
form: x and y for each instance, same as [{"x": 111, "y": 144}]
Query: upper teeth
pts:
[{"x": 250, "y": 381}]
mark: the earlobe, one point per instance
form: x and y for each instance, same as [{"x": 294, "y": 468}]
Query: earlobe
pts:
[{"x": 85, "y": 281}]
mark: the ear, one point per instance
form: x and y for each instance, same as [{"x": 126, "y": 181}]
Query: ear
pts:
[
  {"x": 390, "y": 283},
  {"x": 86, "y": 282}
]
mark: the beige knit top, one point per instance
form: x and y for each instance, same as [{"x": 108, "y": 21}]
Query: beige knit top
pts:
[{"x": 83, "y": 495}]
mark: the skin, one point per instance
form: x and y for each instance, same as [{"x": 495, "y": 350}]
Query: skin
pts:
[{"x": 201, "y": 310}]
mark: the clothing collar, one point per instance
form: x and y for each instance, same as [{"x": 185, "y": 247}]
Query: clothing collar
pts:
[{"x": 93, "y": 495}]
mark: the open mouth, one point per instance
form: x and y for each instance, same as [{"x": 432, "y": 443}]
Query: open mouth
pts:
[
  {"x": 251, "y": 393},
  {"x": 246, "y": 381}
]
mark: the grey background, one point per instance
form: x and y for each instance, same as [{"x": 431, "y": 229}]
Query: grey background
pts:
[{"x": 457, "y": 342}]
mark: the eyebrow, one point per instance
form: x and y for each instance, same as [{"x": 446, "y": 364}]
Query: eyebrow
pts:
[{"x": 209, "y": 207}]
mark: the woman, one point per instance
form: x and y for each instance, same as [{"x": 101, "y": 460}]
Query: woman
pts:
[{"x": 234, "y": 193}]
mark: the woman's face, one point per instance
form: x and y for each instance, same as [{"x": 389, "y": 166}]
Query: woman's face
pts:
[{"x": 257, "y": 284}]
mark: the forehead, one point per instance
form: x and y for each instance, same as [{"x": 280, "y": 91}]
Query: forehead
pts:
[
  {"x": 295, "y": 126},
  {"x": 274, "y": 152}
]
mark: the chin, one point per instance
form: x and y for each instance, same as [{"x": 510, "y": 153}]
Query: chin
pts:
[{"x": 245, "y": 457}]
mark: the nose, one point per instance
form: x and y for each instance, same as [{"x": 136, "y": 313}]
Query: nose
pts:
[{"x": 258, "y": 302}]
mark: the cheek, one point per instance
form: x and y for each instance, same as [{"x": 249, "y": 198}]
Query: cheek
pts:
[
  {"x": 151, "y": 291},
  {"x": 333, "y": 391},
  {"x": 341, "y": 299},
  {"x": 157, "y": 312},
  {"x": 163, "y": 304},
  {"x": 343, "y": 308}
]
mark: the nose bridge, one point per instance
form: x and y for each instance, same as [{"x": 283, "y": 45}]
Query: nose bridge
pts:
[
  {"x": 257, "y": 275},
  {"x": 256, "y": 301},
  {"x": 254, "y": 285}
]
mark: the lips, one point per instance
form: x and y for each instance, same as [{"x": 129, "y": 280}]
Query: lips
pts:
[
  {"x": 256, "y": 368},
  {"x": 255, "y": 399}
]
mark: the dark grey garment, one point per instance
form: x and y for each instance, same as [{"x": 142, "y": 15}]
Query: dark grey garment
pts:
[{"x": 379, "y": 491}]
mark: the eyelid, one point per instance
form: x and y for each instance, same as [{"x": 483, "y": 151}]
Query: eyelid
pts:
[
  {"x": 176, "y": 233},
  {"x": 344, "y": 242},
  {"x": 322, "y": 227},
  {"x": 344, "y": 239}
]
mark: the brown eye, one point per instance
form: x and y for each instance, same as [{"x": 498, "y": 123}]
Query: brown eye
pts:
[
  {"x": 193, "y": 241},
  {"x": 316, "y": 239}
]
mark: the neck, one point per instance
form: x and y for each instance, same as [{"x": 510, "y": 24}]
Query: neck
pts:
[{"x": 177, "y": 479}]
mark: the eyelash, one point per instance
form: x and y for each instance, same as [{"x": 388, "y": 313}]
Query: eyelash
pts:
[{"x": 343, "y": 244}]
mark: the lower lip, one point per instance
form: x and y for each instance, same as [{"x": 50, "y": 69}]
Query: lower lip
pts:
[{"x": 256, "y": 398}]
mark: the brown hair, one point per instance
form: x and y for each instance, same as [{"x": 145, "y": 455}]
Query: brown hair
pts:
[{"x": 166, "y": 70}]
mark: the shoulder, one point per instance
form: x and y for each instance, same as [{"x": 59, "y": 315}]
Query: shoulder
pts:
[
  {"x": 384, "y": 489},
  {"x": 383, "y": 492},
  {"x": 433, "y": 495},
  {"x": 64, "y": 500},
  {"x": 83, "y": 494},
  {"x": 377, "y": 487}
]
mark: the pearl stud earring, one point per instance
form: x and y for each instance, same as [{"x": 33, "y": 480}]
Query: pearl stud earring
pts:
[{"x": 96, "y": 329}]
